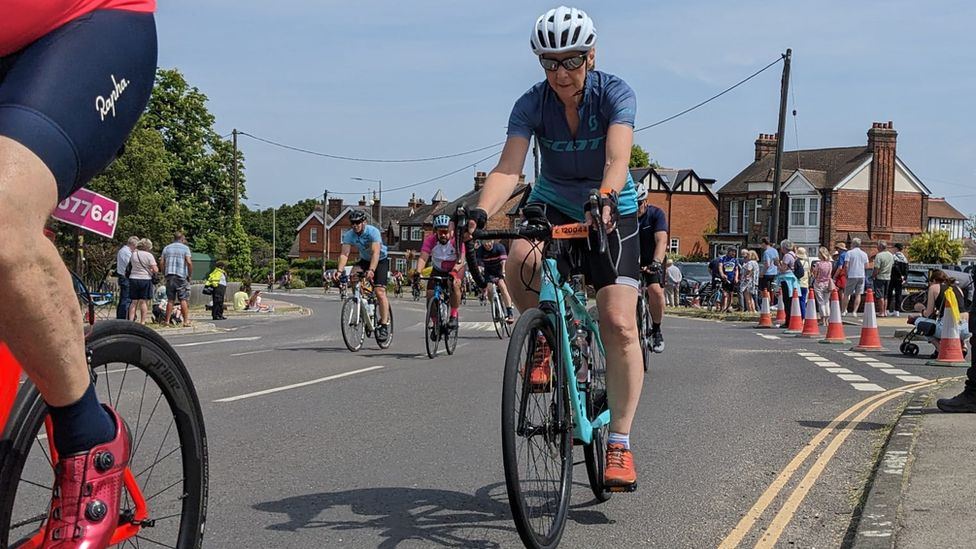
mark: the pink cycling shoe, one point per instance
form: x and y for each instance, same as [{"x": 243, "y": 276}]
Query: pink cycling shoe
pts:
[{"x": 87, "y": 487}]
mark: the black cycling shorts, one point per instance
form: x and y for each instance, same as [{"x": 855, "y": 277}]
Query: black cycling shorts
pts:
[
  {"x": 651, "y": 277},
  {"x": 73, "y": 96},
  {"x": 494, "y": 272},
  {"x": 623, "y": 246},
  {"x": 382, "y": 273}
]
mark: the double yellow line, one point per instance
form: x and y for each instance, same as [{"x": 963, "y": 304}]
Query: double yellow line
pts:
[{"x": 785, "y": 514}]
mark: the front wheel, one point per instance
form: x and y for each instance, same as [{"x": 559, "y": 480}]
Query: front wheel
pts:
[
  {"x": 352, "y": 324},
  {"x": 141, "y": 376},
  {"x": 389, "y": 328},
  {"x": 536, "y": 435},
  {"x": 432, "y": 328}
]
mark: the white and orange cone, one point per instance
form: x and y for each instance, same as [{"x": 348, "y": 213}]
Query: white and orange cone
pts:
[
  {"x": 835, "y": 327},
  {"x": 795, "y": 326},
  {"x": 950, "y": 346},
  {"x": 811, "y": 323},
  {"x": 870, "y": 337},
  {"x": 780, "y": 311},
  {"x": 765, "y": 320}
]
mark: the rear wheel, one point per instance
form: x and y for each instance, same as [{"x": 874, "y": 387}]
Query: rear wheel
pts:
[
  {"x": 432, "y": 327},
  {"x": 497, "y": 316},
  {"x": 644, "y": 328},
  {"x": 137, "y": 373},
  {"x": 450, "y": 334},
  {"x": 536, "y": 437},
  {"x": 352, "y": 324},
  {"x": 594, "y": 454},
  {"x": 389, "y": 329}
]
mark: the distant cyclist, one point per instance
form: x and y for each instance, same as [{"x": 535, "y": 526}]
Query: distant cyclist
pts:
[
  {"x": 491, "y": 256},
  {"x": 439, "y": 248},
  {"x": 583, "y": 119},
  {"x": 373, "y": 263},
  {"x": 653, "y": 244},
  {"x": 74, "y": 78}
]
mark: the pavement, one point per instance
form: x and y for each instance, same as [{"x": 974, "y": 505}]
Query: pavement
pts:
[{"x": 202, "y": 321}]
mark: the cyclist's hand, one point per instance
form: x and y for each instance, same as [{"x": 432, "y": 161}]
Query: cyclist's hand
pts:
[
  {"x": 370, "y": 274},
  {"x": 477, "y": 219}
]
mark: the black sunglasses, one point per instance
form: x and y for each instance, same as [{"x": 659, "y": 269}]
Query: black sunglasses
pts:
[{"x": 570, "y": 64}]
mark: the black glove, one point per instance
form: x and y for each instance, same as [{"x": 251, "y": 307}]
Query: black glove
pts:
[
  {"x": 654, "y": 267},
  {"x": 479, "y": 216},
  {"x": 606, "y": 200},
  {"x": 343, "y": 278}
]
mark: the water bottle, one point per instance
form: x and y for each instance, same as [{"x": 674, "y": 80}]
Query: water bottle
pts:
[{"x": 580, "y": 352}]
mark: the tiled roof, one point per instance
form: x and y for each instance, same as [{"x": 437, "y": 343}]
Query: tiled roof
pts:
[
  {"x": 834, "y": 164},
  {"x": 939, "y": 208}
]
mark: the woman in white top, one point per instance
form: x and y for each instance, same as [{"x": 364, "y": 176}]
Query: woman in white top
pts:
[
  {"x": 750, "y": 279},
  {"x": 140, "y": 279}
]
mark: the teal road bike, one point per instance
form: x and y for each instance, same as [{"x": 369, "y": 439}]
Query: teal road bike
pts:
[{"x": 542, "y": 423}]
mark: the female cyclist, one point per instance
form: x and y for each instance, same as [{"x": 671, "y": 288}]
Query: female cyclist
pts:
[{"x": 584, "y": 121}]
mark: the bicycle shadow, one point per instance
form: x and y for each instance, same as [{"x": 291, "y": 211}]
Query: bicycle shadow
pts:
[
  {"x": 437, "y": 517},
  {"x": 343, "y": 350}
]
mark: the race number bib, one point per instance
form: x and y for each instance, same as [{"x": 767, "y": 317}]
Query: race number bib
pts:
[{"x": 90, "y": 211}]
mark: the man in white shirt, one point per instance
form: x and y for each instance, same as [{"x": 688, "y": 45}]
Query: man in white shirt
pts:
[
  {"x": 121, "y": 262},
  {"x": 855, "y": 262}
]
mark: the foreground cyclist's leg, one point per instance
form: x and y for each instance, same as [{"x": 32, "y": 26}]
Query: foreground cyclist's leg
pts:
[
  {"x": 655, "y": 302},
  {"x": 521, "y": 269}
]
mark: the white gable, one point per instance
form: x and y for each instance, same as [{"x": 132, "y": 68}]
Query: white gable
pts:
[
  {"x": 797, "y": 184},
  {"x": 858, "y": 180},
  {"x": 314, "y": 215},
  {"x": 905, "y": 180}
]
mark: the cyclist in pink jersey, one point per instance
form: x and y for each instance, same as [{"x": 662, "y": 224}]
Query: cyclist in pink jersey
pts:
[
  {"x": 439, "y": 247},
  {"x": 75, "y": 75}
]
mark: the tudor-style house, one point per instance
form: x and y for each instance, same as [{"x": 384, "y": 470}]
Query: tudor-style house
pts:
[
  {"x": 689, "y": 203},
  {"x": 826, "y": 195}
]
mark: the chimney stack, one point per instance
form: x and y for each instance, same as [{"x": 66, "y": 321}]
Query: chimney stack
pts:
[
  {"x": 479, "y": 180},
  {"x": 412, "y": 203},
  {"x": 362, "y": 201},
  {"x": 335, "y": 207},
  {"x": 766, "y": 144},
  {"x": 882, "y": 138},
  {"x": 376, "y": 206}
]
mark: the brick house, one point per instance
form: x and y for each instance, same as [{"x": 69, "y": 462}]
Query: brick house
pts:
[
  {"x": 943, "y": 217},
  {"x": 689, "y": 203},
  {"x": 826, "y": 195}
]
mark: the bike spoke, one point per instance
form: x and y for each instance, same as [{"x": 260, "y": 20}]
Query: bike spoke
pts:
[
  {"x": 148, "y": 467},
  {"x": 37, "y": 439},
  {"x": 159, "y": 451},
  {"x": 47, "y": 487},
  {"x": 149, "y": 419},
  {"x": 164, "y": 490},
  {"x": 118, "y": 395},
  {"x": 142, "y": 537}
]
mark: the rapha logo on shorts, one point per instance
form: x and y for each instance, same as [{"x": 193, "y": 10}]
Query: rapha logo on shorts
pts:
[{"x": 105, "y": 105}]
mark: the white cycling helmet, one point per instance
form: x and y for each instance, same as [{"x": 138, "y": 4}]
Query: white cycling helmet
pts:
[
  {"x": 641, "y": 192},
  {"x": 563, "y": 29},
  {"x": 442, "y": 221}
]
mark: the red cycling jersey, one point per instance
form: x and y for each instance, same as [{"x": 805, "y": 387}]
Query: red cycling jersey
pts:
[{"x": 24, "y": 21}]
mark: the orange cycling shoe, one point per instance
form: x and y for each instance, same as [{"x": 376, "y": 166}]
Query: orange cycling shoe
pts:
[
  {"x": 87, "y": 487},
  {"x": 620, "y": 475},
  {"x": 540, "y": 374}
]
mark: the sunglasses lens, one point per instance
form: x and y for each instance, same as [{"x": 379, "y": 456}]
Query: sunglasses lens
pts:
[
  {"x": 574, "y": 63},
  {"x": 548, "y": 64}
]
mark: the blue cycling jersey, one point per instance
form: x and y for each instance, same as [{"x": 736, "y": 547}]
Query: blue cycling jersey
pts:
[
  {"x": 364, "y": 241},
  {"x": 573, "y": 165}
]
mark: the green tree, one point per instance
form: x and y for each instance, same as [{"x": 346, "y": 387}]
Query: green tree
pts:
[
  {"x": 971, "y": 226},
  {"x": 639, "y": 158},
  {"x": 934, "y": 247},
  {"x": 238, "y": 250}
]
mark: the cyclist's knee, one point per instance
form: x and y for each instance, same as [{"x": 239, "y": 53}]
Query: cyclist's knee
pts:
[{"x": 619, "y": 325}]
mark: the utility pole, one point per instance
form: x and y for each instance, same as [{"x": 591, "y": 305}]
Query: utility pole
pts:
[
  {"x": 237, "y": 207},
  {"x": 780, "y": 132},
  {"x": 325, "y": 228}
]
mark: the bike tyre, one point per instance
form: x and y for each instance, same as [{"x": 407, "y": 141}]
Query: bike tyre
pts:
[
  {"x": 432, "y": 325},
  {"x": 349, "y": 337},
  {"x": 514, "y": 395}
]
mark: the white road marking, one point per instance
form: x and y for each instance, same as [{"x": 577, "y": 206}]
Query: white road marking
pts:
[
  {"x": 911, "y": 378},
  {"x": 296, "y": 385},
  {"x": 879, "y": 364},
  {"x": 807, "y": 354},
  {"x": 764, "y": 336},
  {"x": 838, "y": 370},
  {"x": 867, "y": 387},
  {"x": 851, "y": 353},
  {"x": 817, "y": 359},
  {"x": 253, "y": 352},
  {"x": 828, "y": 364},
  {"x": 852, "y": 377},
  {"x": 864, "y": 359},
  {"x": 226, "y": 340},
  {"x": 894, "y": 371}
]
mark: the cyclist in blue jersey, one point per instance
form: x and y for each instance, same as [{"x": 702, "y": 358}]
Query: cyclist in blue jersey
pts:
[
  {"x": 491, "y": 256},
  {"x": 653, "y": 226},
  {"x": 583, "y": 119},
  {"x": 372, "y": 261}
]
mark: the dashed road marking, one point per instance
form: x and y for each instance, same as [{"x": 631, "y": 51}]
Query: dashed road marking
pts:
[
  {"x": 804, "y": 353},
  {"x": 879, "y": 365},
  {"x": 296, "y": 385},
  {"x": 867, "y": 387},
  {"x": 895, "y": 371},
  {"x": 864, "y": 359},
  {"x": 212, "y": 341},
  {"x": 764, "y": 336},
  {"x": 911, "y": 378},
  {"x": 828, "y": 364},
  {"x": 838, "y": 370},
  {"x": 852, "y": 377}
]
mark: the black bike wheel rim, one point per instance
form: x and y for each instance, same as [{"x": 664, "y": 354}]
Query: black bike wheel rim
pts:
[{"x": 353, "y": 333}]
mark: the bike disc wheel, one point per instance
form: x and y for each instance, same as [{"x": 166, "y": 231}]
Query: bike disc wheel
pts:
[
  {"x": 140, "y": 375},
  {"x": 352, "y": 324},
  {"x": 537, "y": 442},
  {"x": 389, "y": 329},
  {"x": 432, "y": 328}
]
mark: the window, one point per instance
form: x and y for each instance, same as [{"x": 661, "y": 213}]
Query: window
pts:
[
  {"x": 733, "y": 216},
  {"x": 416, "y": 233},
  {"x": 813, "y": 212},
  {"x": 797, "y": 216},
  {"x": 673, "y": 247},
  {"x": 401, "y": 264},
  {"x": 404, "y": 233},
  {"x": 745, "y": 216},
  {"x": 313, "y": 235},
  {"x": 755, "y": 218}
]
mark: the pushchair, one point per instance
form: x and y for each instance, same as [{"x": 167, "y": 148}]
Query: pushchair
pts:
[{"x": 924, "y": 331}]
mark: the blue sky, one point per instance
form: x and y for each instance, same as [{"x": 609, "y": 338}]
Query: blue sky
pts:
[{"x": 427, "y": 78}]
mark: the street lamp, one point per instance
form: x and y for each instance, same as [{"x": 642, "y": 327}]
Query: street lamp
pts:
[
  {"x": 379, "y": 221},
  {"x": 274, "y": 240}
]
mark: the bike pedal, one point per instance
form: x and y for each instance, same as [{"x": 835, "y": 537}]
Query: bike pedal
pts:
[{"x": 621, "y": 489}]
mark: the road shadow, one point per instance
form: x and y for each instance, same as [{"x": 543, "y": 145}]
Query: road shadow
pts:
[
  {"x": 435, "y": 517},
  {"x": 343, "y": 350},
  {"x": 862, "y": 426}
]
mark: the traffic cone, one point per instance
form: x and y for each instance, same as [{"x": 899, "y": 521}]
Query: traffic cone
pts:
[
  {"x": 870, "y": 338},
  {"x": 795, "y": 326},
  {"x": 950, "y": 346},
  {"x": 811, "y": 324},
  {"x": 765, "y": 321},
  {"x": 780, "y": 311},
  {"x": 835, "y": 327}
]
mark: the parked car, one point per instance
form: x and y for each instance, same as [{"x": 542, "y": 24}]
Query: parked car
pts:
[{"x": 693, "y": 277}]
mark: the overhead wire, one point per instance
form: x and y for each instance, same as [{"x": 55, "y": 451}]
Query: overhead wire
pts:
[{"x": 375, "y": 160}]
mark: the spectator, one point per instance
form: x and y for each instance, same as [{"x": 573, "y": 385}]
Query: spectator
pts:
[
  {"x": 729, "y": 272},
  {"x": 934, "y": 311},
  {"x": 822, "y": 283},
  {"x": 749, "y": 279},
  {"x": 177, "y": 265},
  {"x": 855, "y": 261},
  {"x": 804, "y": 259},
  {"x": 787, "y": 281},
  {"x": 241, "y": 297},
  {"x": 217, "y": 280},
  {"x": 121, "y": 264},
  {"x": 673, "y": 283},
  {"x": 254, "y": 304},
  {"x": 840, "y": 250},
  {"x": 899, "y": 274},
  {"x": 142, "y": 267},
  {"x": 883, "y": 263},
  {"x": 770, "y": 258}
]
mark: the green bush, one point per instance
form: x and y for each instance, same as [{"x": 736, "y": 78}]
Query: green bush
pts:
[{"x": 297, "y": 283}]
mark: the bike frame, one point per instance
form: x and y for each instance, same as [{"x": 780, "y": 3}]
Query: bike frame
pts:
[{"x": 559, "y": 295}]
